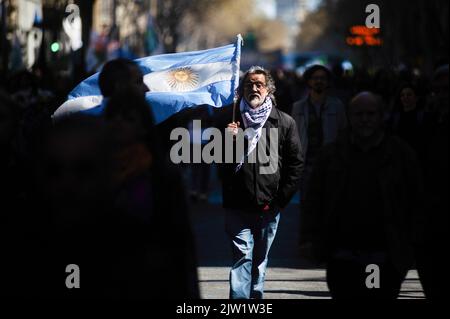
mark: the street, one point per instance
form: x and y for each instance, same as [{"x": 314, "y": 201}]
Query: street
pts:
[{"x": 288, "y": 275}]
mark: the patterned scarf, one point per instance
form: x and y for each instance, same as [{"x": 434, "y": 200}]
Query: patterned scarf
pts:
[{"x": 254, "y": 120}]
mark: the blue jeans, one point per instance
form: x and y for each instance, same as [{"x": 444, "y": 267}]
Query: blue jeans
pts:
[{"x": 251, "y": 235}]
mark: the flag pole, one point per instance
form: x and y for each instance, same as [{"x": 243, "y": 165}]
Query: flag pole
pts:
[
  {"x": 240, "y": 42},
  {"x": 234, "y": 106}
]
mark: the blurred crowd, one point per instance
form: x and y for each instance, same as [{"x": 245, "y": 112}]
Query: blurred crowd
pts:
[{"x": 101, "y": 192}]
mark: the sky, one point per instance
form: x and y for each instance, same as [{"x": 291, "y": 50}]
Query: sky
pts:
[{"x": 269, "y": 7}]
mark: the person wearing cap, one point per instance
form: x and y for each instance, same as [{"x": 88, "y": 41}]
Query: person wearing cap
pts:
[{"x": 319, "y": 118}]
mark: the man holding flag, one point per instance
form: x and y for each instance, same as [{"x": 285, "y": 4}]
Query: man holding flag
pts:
[
  {"x": 252, "y": 196},
  {"x": 253, "y": 193},
  {"x": 184, "y": 86}
]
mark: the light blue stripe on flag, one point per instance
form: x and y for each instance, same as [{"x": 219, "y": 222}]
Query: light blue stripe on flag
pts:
[{"x": 176, "y": 81}]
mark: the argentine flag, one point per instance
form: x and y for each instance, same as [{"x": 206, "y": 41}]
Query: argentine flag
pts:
[{"x": 176, "y": 81}]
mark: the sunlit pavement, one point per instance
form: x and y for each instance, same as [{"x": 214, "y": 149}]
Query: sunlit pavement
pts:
[
  {"x": 288, "y": 283},
  {"x": 288, "y": 275}
]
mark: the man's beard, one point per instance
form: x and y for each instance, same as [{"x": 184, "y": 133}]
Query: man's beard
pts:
[
  {"x": 319, "y": 89},
  {"x": 255, "y": 101}
]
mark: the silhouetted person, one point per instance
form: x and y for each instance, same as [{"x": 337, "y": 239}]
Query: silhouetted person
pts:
[
  {"x": 9, "y": 124},
  {"x": 77, "y": 224},
  {"x": 407, "y": 119},
  {"x": 383, "y": 84},
  {"x": 27, "y": 92},
  {"x": 35, "y": 104},
  {"x": 433, "y": 249},
  {"x": 253, "y": 199},
  {"x": 15, "y": 224},
  {"x": 85, "y": 219},
  {"x": 283, "y": 94},
  {"x": 364, "y": 205},
  {"x": 150, "y": 189}
]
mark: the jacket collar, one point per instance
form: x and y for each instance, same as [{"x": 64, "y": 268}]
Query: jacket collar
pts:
[{"x": 274, "y": 114}]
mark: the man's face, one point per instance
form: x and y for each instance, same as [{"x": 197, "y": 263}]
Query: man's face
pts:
[
  {"x": 255, "y": 89},
  {"x": 365, "y": 119},
  {"x": 136, "y": 78},
  {"x": 318, "y": 81},
  {"x": 408, "y": 98}
]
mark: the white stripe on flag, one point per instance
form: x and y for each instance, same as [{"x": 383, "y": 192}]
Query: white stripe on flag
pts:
[
  {"x": 188, "y": 78},
  {"x": 78, "y": 104}
]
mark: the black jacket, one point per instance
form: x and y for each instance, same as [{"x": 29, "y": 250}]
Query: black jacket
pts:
[
  {"x": 400, "y": 185},
  {"x": 249, "y": 188}
]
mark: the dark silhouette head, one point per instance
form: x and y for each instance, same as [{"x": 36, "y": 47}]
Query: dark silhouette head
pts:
[{"x": 120, "y": 74}]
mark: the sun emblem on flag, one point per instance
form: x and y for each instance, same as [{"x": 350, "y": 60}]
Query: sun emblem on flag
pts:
[{"x": 183, "y": 79}]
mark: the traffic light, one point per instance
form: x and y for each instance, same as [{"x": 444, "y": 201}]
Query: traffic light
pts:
[{"x": 55, "y": 47}]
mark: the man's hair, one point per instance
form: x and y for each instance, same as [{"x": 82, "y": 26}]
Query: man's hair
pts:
[
  {"x": 270, "y": 83},
  {"x": 115, "y": 72},
  {"x": 356, "y": 100},
  {"x": 313, "y": 69}
]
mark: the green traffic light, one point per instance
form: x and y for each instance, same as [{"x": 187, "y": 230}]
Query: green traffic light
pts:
[{"x": 55, "y": 47}]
